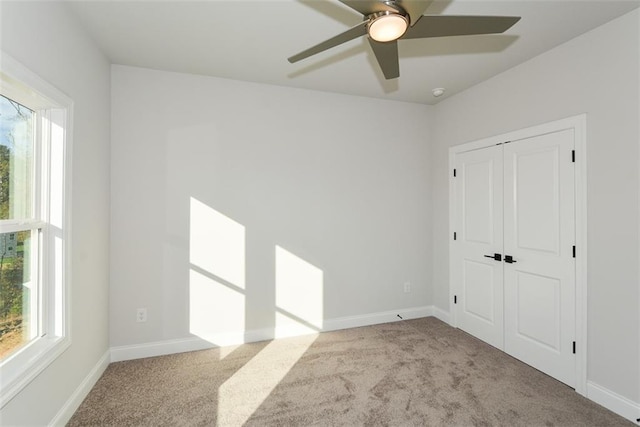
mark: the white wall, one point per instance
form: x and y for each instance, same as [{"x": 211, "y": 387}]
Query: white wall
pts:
[
  {"x": 47, "y": 39},
  {"x": 598, "y": 74},
  {"x": 339, "y": 182},
  {"x": 308, "y": 172}
]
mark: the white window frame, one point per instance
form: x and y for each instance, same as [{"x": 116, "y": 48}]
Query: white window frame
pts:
[{"x": 54, "y": 112}]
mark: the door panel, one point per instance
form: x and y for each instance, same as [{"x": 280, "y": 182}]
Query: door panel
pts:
[
  {"x": 478, "y": 189},
  {"x": 538, "y": 309},
  {"x": 537, "y": 207},
  {"x": 478, "y": 201},
  {"x": 479, "y": 290},
  {"x": 539, "y": 233}
]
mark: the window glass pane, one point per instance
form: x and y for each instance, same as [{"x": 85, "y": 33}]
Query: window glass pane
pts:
[
  {"x": 16, "y": 160},
  {"x": 18, "y": 292}
]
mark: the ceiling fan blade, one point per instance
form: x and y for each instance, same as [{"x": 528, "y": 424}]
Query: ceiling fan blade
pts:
[
  {"x": 350, "y": 34},
  {"x": 387, "y": 56},
  {"x": 367, "y": 7},
  {"x": 443, "y": 26},
  {"x": 415, "y": 8}
]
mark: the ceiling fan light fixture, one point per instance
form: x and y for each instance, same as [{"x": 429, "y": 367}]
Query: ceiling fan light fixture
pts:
[{"x": 387, "y": 26}]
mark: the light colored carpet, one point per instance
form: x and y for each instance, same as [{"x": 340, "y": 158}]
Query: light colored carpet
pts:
[{"x": 412, "y": 373}]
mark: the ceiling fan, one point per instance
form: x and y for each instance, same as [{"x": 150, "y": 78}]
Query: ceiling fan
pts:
[{"x": 385, "y": 22}]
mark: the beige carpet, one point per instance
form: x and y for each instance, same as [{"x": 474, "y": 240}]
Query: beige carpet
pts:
[{"x": 411, "y": 373}]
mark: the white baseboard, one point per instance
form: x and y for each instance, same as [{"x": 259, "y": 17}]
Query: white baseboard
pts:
[
  {"x": 614, "y": 402},
  {"x": 69, "y": 408},
  {"x": 376, "y": 318},
  {"x": 442, "y": 315},
  {"x": 161, "y": 348}
]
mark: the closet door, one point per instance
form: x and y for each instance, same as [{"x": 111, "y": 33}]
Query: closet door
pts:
[
  {"x": 539, "y": 236},
  {"x": 477, "y": 275}
]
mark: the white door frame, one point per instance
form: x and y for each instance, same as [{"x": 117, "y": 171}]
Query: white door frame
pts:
[{"x": 579, "y": 125}]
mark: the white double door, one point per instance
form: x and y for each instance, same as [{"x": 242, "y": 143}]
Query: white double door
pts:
[{"x": 513, "y": 266}]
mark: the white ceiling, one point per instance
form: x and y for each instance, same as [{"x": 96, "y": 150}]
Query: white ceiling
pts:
[{"x": 251, "y": 40}]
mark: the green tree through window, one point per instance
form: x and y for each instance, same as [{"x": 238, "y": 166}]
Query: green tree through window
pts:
[{"x": 16, "y": 157}]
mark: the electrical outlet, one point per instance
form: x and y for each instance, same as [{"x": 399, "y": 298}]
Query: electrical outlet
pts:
[
  {"x": 407, "y": 287},
  {"x": 141, "y": 315}
]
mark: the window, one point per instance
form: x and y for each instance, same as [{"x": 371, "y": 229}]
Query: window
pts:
[
  {"x": 34, "y": 193},
  {"x": 18, "y": 228}
]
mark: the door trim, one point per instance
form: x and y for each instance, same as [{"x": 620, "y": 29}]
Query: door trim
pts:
[{"x": 579, "y": 125}]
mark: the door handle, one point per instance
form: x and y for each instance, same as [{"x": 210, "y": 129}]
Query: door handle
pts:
[
  {"x": 509, "y": 259},
  {"x": 497, "y": 257}
]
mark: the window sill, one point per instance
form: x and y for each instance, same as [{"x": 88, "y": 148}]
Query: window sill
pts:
[{"x": 23, "y": 367}]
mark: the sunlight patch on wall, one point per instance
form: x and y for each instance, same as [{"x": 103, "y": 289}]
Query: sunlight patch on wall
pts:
[
  {"x": 299, "y": 295},
  {"x": 217, "y": 276},
  {"x": 217, "y": 244},
  {"x": 216, "y": 311},
  {"x": 243, "y": 393}
]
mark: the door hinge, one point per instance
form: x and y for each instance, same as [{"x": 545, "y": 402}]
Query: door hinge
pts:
[
  {"x": 454, "y": 172},
  {"x": 573, "y": 156},
  {"x": 455, "y": 236},
  {"x": 574, "y": 251},
  {"x": 574, "y": 347},
  {"x": 455, "y": 299}
]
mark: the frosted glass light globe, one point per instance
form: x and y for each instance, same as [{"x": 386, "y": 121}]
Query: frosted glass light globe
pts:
[{"x": 386, "y": 28}]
